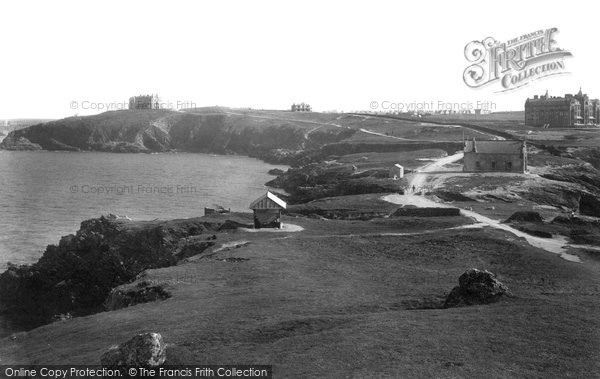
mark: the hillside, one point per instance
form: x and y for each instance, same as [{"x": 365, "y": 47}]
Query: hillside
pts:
[
  {"x": 306, "y": 300},
  {"x": 359, "y": 261},
  {"x": 216, "y": 130}
]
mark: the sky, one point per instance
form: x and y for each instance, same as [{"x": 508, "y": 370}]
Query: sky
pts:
[{"x": 63, "y": 58}]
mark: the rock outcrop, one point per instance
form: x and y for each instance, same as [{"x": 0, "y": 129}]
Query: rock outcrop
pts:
[
  {"x": 14, "y": 142},
  {"x": 143, "y": 350},
  {"x": 476, "y": 287},
  {"x": 588, "y": 178},
  {"x": 320, "y": 180},
  {"x": 526, "y": 216},
  {"x": 77, "y": 275},
  {"x": 130, "y": 294}
]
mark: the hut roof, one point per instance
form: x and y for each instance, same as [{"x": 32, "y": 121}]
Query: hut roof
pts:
[
  {"x": 268, "y": 201},
  {"x": 494, "y": 147}
]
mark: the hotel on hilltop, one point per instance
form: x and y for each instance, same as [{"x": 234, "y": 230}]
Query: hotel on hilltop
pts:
[{"x": 557, "y": 112}]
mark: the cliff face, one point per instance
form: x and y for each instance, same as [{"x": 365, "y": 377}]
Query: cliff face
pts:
[
  {"x": 13, "y": 142},
  {"x": 270, "y": 138},
  {"x": 77, "y": 275}
]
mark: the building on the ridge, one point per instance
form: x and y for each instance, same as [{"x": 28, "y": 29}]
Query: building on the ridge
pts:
[
  {"x": 301, "y": 107},
  {"x": 397, "y": 171},
  {"x": 588, "y": 108},
  {"x": 495, "y": 156},
  {"x": 556, "y": 112},
  {"x": 144, "y": 102},
  {"x": 267, "y": 211}
]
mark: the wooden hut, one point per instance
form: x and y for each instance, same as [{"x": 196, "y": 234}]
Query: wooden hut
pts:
[
  {"x": 397, "y": 171},
  {"x": 267, "y": 211}
]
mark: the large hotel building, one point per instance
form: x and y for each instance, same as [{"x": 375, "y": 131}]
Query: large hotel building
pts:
[{"x": 557, "y": 112}]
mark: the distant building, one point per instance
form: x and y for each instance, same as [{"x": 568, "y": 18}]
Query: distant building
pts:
[
  {"x": 556, "y": 112},
  {"x": 397, "y": 171},
  {"x": 490, "y": 156},
  {"x": 144, "y": 102},
  {"x": 302, "y": 107},
  {"x": 267, "y": 211}
]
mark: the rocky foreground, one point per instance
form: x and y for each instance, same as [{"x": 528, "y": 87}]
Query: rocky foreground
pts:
[{"x": 81, "y": 274}]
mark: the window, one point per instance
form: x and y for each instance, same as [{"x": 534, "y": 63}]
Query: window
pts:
[
  {"x": 477, "y": 165},
  {"x": 493, "y": 165},
  {"x": 508, "y": 166}
]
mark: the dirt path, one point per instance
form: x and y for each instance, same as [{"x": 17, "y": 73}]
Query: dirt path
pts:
[
  {"x": 417, "y": 179},
  {"x": 556, "y": 245},
  {"x": 381, "y": 134}
]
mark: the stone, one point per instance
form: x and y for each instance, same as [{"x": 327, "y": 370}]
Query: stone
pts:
[
  {"x": 143, "y": 350},
  {"x": 476, "y": 287},
  {"x": 134, "y": 293}
]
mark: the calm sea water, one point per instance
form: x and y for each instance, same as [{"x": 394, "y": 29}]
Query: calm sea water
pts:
[{"x": 45, "y": 195}]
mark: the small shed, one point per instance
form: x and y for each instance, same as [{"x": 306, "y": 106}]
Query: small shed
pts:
[
  {"x": 267, "y": 211},
  {"x": 397, "y": 171}
]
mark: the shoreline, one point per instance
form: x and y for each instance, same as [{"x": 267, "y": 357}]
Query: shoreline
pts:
[{"x": 61, "y": 193}]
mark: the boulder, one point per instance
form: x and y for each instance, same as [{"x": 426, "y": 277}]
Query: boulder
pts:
[
  {"x": 143, "y": 350},
  {"x": 476, "y": 287},
  {"x": 134, "y": 293}
]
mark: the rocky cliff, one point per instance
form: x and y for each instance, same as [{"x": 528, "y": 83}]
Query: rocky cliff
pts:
[
  {"x": 272, "y": 138},
  {"x": 76, "y": 276}
]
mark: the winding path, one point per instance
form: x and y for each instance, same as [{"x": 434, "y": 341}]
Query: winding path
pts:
[{"x": 556, "y": 245}]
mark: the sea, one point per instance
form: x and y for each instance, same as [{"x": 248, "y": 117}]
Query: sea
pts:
[{"x": 45, "y": 195}]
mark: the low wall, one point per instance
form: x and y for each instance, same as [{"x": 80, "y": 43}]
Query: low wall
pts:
[{"x": 426, "y": 212}]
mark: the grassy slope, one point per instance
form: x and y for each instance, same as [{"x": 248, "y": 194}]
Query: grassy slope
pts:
[
  {"x": 320, "y": 304},
  {"x": 413, "y": 130},
  {"x": 513, "y": 123},
  {"x": 336, "y": 299}
]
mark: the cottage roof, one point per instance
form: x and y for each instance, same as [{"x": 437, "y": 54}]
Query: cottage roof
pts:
[
  {"x": 268, "y": 201},
  {"x": 397, "y": 165},
  {"x": 493, "y": 147}
]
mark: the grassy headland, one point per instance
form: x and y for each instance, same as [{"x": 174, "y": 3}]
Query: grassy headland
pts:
[{"x": 348, "y": 288}]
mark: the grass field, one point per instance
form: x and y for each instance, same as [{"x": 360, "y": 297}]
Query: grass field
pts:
[
  {"x": 409, "y": 160},
  {"x": 336, "y": 301}
]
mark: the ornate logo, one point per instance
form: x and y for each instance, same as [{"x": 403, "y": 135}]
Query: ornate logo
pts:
[{"x": 515, "y": 63}]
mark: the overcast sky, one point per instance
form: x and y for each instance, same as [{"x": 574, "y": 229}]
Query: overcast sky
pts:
[{"x": 262, "y": 54}]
